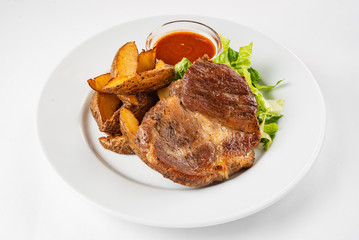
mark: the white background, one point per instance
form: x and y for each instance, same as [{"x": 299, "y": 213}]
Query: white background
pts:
[{"x": 36, "y": 35}]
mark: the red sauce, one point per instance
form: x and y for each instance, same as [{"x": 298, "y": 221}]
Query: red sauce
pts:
[{"x": 172, "y": 47}]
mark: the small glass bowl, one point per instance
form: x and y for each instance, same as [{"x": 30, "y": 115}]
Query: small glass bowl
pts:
[{"x": 187, "y": 26}]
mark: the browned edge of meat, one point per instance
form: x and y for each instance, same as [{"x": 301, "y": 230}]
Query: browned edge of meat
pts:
[{"x": 205, "y": 131}]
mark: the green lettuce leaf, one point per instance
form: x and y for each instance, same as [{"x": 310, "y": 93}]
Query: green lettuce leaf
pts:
[
  {"x": 269, "y": 118},
  {"x": 232, "y": 55},
  {"x": 181, "y": 68},
  {"x": 244, "y": 72},
  {"x": 223, "y": 56},
  {"x": 266, "y": 139},
  {"x": 225, "y": 43},
  {"x": 244, "y": 56},
  {"x": 267, "y": 88},
  {"x": 255, "y": 76},
  {"x": 275, "y": 106},
  {"x": 270, "y": 128}
]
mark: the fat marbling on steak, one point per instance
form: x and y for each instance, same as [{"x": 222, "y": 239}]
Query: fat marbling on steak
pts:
[{"x": 205, "y": 131}]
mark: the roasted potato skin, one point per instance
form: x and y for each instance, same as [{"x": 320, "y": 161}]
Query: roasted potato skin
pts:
[
  {"x": 111, "y": 125},
  {"x": 118, "y": 144},
  {"x": 148, "y": 81},
  {"x": 139, "y": 104},
  {"x": 125, "y": 94}
]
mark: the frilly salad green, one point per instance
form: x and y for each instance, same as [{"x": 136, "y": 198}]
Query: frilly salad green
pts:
[{"x": 268, "y": 111}]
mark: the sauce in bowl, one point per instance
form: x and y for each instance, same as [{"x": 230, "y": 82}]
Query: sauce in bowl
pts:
[{"x": 171, "y": 48}]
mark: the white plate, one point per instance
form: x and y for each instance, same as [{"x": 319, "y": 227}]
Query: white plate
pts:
[{"x": 126, "y": 187}]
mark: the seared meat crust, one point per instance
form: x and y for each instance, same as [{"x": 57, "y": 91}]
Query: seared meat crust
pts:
[
  {"x": 218, "y": 92},
  {"x": 205, "y": 131}
]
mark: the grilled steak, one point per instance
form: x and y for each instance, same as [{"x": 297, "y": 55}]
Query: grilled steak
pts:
[{"x": 205, "y": 131}]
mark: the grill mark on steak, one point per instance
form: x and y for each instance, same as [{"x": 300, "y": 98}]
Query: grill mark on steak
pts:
[
  {"x": 180, "y": 141},
  {"x": 218, "y": 92},
  {"x": 205, "y": 131}
]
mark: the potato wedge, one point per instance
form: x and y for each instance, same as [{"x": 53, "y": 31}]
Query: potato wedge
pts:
[
  {"x": 99, "y": 82},
  {"x": 146, "y": 60},
  {"x": 129, "y": 120},
  {"x": 175, "y": 88},
  {"x": 117, "y": 144},
  {"x": 139, "y": 104},
  {"x": 160, "y": 64},
  {"x": 148, "y": 81},
  {"x": 129, "y": 100},
  {"x": 125, "y": 62},
  {"x": 163, "y": 92},
  {"x": 129, "y": 125},
  {"x": 105, "y": 109}
]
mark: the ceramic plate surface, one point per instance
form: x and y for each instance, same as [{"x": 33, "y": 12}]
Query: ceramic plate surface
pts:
[{"x": 126, "y": 187}]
